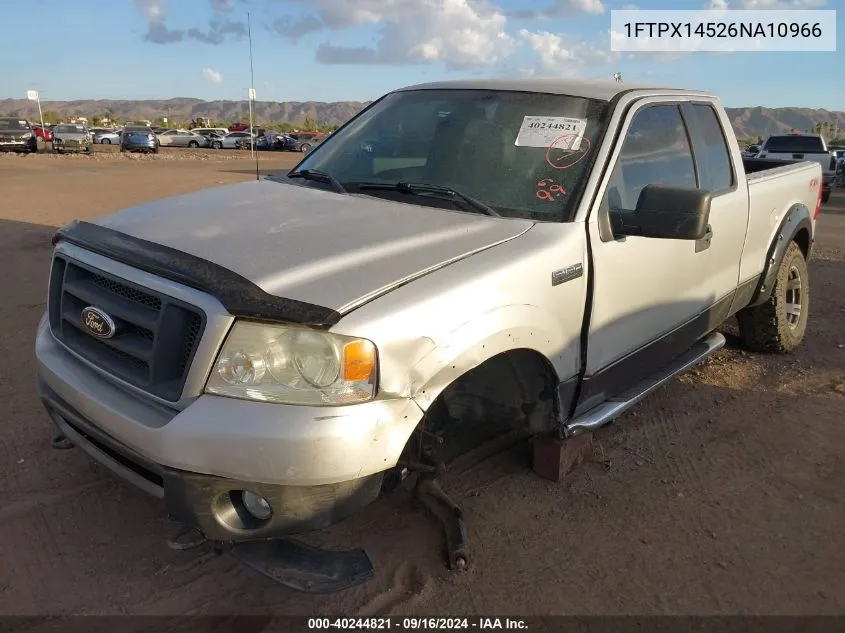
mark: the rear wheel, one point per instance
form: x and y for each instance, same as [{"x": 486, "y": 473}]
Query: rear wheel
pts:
[
  {"x": 193, "y": 144},
  {"x": 217, "y": 145},
  {"x": 779, "y": 324},
  {"x": 304, "y": 148},
  {"x": 105, "y": 141}
]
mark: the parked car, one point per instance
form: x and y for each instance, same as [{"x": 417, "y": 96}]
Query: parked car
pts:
[
  {"x": 285, "y": 143},
  {"x": 397, "y": 299},
  {"x": 792, "y": 147},
  {"x": 72, "y": 137},
  {"x": 44, "y": 133},
  {"x": 107, "y": 137},
  {"x": 138, "y": 138},
  {"x": 207, "y": 132},
  {"x": 304, "y": 141},
  {"x": 182, "y": 138},
  {"x": 751, "y": 151},
  {"x": 232, "y": 140},
  {"x": 238, "y": 127},
  {"x": 17, "y": 135}
]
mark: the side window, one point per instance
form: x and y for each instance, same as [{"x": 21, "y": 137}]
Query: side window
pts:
[
  {"x": 656, "y": 150},
  {"x": 712, "y": 150}
]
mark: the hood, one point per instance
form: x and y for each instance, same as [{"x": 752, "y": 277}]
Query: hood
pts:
[{"x": 320, "y": 247}]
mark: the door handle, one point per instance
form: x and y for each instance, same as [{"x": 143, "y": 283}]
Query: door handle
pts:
[{"x": 704, "y": 243}]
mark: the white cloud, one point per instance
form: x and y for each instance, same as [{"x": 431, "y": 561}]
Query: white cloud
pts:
[
  {"x": 721, "y": 5},
  {"x": 457, "y": 33},
  {"x": 212, "y": 76},
  {"x": 560, "y": 8},
  {"x": 153, "y": 10},
  {"x": 565, "y": 56}
]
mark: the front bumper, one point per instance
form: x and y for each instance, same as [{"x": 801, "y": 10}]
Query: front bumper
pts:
[
  {"x": 61, "y": 147},
  {"x": 213, "y": 504},
  {"x": 18, "y": 146},
  {"x": 315, "y": 465}
]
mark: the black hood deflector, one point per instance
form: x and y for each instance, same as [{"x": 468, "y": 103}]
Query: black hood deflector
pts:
[{"x": 238, "y": 294}]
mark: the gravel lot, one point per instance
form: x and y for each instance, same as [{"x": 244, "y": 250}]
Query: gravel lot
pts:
[{"x": 721, "y": 493}]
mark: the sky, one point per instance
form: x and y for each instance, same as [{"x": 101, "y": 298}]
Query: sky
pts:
[{"x": 339, "y": 50}]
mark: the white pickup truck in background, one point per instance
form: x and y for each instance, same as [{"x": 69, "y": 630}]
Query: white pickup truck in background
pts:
[
  {"x": 802, "y": 147},
  {"x": 461, "y": 260}
]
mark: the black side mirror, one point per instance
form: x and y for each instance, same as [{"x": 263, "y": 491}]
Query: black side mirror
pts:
[{"x": 666, "y": 212}]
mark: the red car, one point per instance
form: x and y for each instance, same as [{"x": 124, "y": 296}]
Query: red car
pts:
[{"x": 43, "y": 133}]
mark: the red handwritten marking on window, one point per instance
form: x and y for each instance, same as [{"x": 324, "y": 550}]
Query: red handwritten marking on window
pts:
[
  {"x": 549, "y": 190},
  {"x": 813, "y": 183},
  {"x": 558, "y": 157}
]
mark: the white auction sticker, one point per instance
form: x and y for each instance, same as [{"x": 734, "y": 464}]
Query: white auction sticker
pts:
[{"x": 543, "y": 131}]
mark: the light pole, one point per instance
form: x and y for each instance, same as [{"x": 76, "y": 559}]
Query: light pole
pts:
[
  {"x": 252, "y": 87},
  {"x": 32, "y": 95}
]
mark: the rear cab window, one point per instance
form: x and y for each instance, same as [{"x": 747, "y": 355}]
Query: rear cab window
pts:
[
  {"x": 795, "y": 143},
  {"x": 711, "y": 150}
]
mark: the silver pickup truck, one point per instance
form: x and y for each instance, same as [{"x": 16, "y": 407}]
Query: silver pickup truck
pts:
[{"x": 460, "y": 260}]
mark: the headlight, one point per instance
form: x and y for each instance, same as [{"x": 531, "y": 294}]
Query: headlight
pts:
[{"x": 294, "y": 365}]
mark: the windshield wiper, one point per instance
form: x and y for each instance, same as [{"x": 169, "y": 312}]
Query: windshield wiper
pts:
[
  {"x": 318, "y": 176},
  {"x": 421, "y": 187}
]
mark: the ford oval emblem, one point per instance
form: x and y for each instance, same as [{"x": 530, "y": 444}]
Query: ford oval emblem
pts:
[{"x": 98, "y": 322}]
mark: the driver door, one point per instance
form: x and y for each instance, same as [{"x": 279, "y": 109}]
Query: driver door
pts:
[{"x": 645, "y": 288}]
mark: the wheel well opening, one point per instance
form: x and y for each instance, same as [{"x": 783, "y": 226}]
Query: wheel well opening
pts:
[
  {"x": 802, "y": 238},
  {"x": 512, "y": 394}
]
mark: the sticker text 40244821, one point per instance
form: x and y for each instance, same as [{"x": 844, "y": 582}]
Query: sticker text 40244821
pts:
[{"x": 545, "y": 131}]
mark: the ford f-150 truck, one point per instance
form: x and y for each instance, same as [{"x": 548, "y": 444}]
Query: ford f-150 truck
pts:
[{"x": 461, "y": 260}]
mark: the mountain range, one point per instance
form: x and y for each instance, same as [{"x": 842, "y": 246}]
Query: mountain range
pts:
[{"x": 747, "y": 122}]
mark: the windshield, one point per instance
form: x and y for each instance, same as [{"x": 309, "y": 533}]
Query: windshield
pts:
[
  {"x": 790, "y": 144},
  {"x": 523, "y": 154},
  {"x": 69, "y": 129},
  {"x": 14, "y": 124}
]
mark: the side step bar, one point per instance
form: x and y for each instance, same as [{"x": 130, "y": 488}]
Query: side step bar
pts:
[{"x": 613, "y": 408}]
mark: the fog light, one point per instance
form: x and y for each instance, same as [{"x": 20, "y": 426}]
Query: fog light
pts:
[{"x": 256, "y": 505}]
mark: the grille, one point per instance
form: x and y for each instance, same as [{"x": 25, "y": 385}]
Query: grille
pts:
[{"x": 155, "y": 337}]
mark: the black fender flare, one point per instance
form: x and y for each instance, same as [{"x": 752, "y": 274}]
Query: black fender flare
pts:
[{"x": 798, "y": 218}]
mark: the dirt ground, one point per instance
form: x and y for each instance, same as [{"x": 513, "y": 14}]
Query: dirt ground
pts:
[{"x": 722, "y": 493}]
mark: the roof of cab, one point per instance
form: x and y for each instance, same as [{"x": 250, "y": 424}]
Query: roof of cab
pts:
[{"x": 603, "y": 90}]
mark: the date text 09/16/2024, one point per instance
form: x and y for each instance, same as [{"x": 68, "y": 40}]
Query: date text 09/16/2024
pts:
[{"x": 416, "y": 624}]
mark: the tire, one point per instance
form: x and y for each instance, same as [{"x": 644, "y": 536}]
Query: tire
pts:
[
  {"x": 105, "y": 141},
  {"x": 825, "y": 197},
  {"x": 193, "y": 145},
  {"x": 217, "y": 145},
  {"x": 304, "y": 148},
  {"x": 779, "y": 324}
]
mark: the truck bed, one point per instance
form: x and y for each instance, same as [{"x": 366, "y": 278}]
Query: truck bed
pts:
[{"x": 774, "y": 186}]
